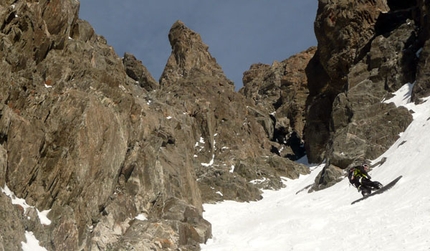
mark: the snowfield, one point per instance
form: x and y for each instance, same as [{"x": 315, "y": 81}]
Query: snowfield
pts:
[{"x": 398, "y": 219}]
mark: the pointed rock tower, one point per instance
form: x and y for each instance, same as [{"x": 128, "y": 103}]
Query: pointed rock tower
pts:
[{"x": 189, "y": 56}]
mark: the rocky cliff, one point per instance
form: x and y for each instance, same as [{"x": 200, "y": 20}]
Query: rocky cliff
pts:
[
  {"x": 366, "y": 50},
  {"x": 120, "y": 161}
]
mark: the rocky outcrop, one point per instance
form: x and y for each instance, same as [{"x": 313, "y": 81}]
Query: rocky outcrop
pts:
[
  {"x": 355, "y": 69},
  {"x": 343, "y": 30},
  {"x": 138, "y": 72},
  {"x": 81, "y": 138},
  {"x": 281, "y": 90},
  {"x": 184, "y": 62},
  {"x": 11, "y": 227},
  {"x": 232, "y": 136},
  {"x": 421, "y": 88},
  {"x": 121, "y": 161}
]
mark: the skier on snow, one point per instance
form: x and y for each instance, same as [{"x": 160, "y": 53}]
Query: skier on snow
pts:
[{"x": 359, "y": 178}]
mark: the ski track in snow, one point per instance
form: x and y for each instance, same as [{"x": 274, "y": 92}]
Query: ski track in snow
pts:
[{"x": 398, "y": 219}]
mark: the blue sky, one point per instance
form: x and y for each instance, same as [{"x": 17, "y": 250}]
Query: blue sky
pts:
[{"x": 239, "y": 33}]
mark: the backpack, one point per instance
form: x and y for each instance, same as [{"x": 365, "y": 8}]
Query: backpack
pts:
[
  {"x": 351, "y": 175},
  {"x": 355, "y": 174}
]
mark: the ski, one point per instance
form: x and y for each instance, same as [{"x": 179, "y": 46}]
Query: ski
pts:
[{"x": 381, "y": 190}]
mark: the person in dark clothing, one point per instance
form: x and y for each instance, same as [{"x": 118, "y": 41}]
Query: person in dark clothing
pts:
[{"x": 358, "y": 176}]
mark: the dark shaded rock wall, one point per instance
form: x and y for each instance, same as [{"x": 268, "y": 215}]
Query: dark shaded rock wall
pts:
[
  {"x": 281, "y": 90},
  {"x": 366, "y": 51}
]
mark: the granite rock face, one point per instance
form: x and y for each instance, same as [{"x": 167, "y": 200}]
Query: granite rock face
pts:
[
  {"x": 121, "y": 161},
  {"x": 366, "y": 51},
  {"x": 232, "y": 137},
  {"x": 139, "y": 73},
  {"x": 125, "y": 162},
  {"x": 80, "y": 137},
  {"x": 281, "y": 90}
]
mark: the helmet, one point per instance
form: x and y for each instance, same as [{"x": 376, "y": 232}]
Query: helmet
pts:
[{"x": 366, "y": 167}]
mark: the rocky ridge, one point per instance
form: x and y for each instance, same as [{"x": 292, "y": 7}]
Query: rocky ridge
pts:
[
  {"x": 125, "y": 162},
  {"x": 121, "y": 161}
]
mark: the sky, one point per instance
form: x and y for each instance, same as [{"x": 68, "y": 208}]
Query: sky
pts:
[
  {"x": 398, "y": 219},
  {"x": 239, "y": 33},
  {"x": 284, "y": 220}
]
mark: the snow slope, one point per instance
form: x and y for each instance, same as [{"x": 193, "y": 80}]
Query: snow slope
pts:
[{"x": 398, "y": 219}]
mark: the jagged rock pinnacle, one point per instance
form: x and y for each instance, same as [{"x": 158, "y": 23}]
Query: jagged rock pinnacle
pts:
[{"x": 189, "y": 56}]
